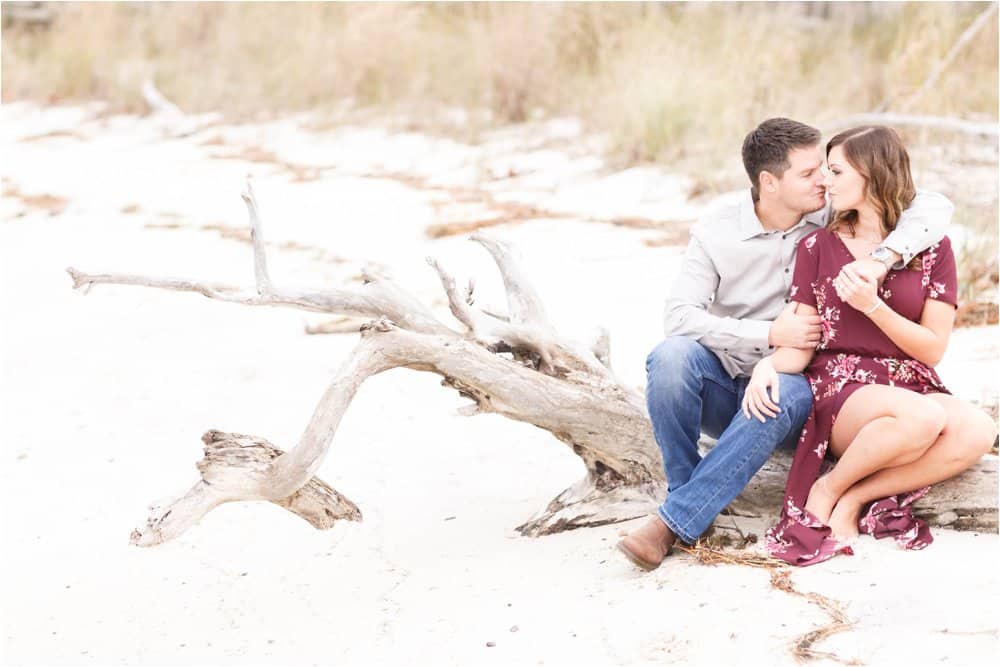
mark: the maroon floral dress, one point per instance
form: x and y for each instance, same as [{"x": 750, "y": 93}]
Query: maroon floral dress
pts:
[{"x": 854, "y": 352}]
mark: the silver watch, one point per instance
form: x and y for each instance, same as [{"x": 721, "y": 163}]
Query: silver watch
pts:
[{"x": 884, "y": 255}]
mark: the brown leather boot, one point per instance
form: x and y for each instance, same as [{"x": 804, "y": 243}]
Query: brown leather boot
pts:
[{"x": 648, "y": 545}]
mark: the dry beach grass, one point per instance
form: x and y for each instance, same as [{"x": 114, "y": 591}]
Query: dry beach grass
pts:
[
  {"x": 665, "y": 81},
  {"x": 669, "y": 82}
]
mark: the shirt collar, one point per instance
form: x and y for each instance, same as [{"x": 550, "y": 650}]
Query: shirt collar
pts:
[{"x": 750, "y": 225}]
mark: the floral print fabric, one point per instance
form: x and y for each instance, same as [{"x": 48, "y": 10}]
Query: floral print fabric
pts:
[{"x": 854, "y": 352}]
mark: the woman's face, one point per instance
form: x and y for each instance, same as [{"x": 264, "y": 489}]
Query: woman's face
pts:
[{"x": 844, "y": 184}]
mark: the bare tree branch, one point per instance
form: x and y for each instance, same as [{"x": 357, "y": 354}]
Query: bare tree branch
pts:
[
  {"x": 157, "y": 101},
  {"x": 523, "y": 302},
  {"x": 257, "y": 238},
  {"x": 904, "y": 120},
  {"x": 290, "y": 471},
  {"x": 963, "y": 40},
  {"x": 374, "y": 299},
  {"x": 460, "y": 306}
]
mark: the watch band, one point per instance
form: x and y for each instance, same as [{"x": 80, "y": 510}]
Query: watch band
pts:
[{"x": 884, "y": 255}]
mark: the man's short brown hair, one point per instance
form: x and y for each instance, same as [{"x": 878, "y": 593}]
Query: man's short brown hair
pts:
[{"x": 767, "y": 146}]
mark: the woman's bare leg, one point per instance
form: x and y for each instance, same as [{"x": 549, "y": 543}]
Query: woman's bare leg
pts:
[
  {"x": 968, "y": 434},
  {"x": 877, "y": 427}
]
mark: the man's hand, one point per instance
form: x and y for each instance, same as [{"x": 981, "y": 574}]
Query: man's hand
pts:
[
  {"x": 867, "y": 269},
  {"x": 792, "y": 330}
]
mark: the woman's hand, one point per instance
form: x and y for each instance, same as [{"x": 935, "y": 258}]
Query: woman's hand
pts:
[
  {"x": 857, "y": 290},
  {"x": 756, "y": 399}
]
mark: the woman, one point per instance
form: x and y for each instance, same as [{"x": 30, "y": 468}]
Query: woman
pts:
[{"x": 879, "y": 407}]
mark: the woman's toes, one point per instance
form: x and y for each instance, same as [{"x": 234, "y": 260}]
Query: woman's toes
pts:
[{"x": 844, "y": 520}]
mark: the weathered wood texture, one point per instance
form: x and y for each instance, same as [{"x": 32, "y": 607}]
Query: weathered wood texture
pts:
[
  {"x": 965, "y": 502},
  {"x": 514, "y": 364}
]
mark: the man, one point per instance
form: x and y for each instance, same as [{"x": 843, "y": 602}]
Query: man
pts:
[{"x": 727, "y": 309}]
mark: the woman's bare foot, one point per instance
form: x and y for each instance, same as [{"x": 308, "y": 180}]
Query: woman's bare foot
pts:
[
  {"x": 844, "y": 519},
  {"x": 821, "y": 501}
]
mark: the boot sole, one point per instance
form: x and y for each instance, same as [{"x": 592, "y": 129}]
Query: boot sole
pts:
[{"x": 636, "y": 560}]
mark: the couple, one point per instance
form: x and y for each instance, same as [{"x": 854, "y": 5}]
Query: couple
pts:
[{"x": 858, "y": 294}]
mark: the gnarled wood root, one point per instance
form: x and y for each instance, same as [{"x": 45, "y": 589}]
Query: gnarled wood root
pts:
[{"x": 235, "y": 467}]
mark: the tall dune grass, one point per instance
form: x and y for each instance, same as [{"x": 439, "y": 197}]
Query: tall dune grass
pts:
[{"x": 664, "y": 81}]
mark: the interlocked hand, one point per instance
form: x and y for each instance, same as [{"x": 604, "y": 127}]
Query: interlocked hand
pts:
[{"x": 857, "y": 290}]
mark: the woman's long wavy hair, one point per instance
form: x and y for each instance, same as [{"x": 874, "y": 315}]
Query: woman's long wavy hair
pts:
[{"x": 877, "y": 152}]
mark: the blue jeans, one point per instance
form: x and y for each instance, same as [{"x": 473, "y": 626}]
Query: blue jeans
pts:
[{"x": 689, "y": 392}]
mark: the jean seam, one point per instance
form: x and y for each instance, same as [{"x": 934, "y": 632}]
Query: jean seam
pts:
[
  {"x": 720, "y": 385},
  {"x": 675, "y": 527},
  {"x": 704, "y": 378},
  {"x": 721, "y": 486}
]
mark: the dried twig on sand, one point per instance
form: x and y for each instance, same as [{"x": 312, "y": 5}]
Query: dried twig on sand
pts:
[{"x": 802, "y": 647}]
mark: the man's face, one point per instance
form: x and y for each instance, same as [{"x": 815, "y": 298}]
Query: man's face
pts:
[{"x": 801, "y": 187}]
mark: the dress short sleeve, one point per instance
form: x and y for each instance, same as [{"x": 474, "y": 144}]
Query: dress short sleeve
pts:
[
  {"x": 806, "y": 268},
  {"x": 940, "y": 277}
]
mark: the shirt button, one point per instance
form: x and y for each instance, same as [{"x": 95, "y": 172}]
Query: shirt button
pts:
[
  {"x": 787, "y": 300},
  {"x": 785, "y": 236},
  {"x": 786, "y": 270},
  {"x": 756, "y": 349}
]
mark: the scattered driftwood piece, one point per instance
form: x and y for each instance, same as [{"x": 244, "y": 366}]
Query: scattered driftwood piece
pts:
[
  {"x": 454, "y": 228},
  {"x": 52, "y": 134},
  {"x": 231, "y": 459},
  {"x": 28, "y": 13},
  {"x": 514, "y": 364},
  {"x": 173, "y": 120},
  {"x": 977, "y": 314},
  {"x": 157, "y": 101},
  {"x": 906, "y": 120},
  {"x": 50, "y": 204},
  {"x": 982, "y": 20}
]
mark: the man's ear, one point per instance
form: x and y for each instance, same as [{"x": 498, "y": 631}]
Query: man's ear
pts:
[{"x": 768, "y": 182}]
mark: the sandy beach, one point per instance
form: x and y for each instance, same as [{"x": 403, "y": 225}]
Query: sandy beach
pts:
[{"x": 105, "y": 396}]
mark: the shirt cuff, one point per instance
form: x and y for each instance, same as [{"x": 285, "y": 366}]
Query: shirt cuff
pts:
[
  {"x": 755, "y": 333},
  {"x": 903, "y": 252}
]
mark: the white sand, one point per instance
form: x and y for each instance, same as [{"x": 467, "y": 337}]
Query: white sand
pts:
[{"x": 105, "y": 397}]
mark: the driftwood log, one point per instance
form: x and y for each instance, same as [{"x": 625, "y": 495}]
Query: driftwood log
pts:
[{"x": 514, "y": 364}]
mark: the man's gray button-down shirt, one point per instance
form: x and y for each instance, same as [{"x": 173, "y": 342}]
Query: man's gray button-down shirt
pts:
[{"x": 735, "y": 276}]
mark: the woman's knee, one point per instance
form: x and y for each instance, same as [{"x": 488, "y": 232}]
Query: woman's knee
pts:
[
  {"x": 921, "y": 421},
  {"x": 972, "y": 434}
]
